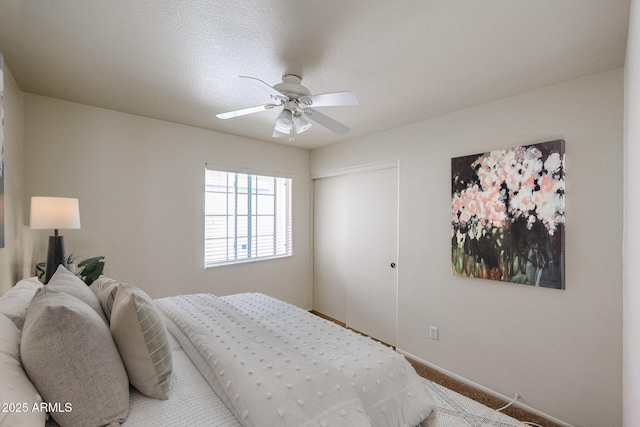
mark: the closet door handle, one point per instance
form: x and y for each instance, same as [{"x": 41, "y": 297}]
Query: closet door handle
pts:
[{"x": 393, "y": 265}]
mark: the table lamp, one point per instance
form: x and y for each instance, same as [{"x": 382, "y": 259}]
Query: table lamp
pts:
[{"x": 54, "y": 213}]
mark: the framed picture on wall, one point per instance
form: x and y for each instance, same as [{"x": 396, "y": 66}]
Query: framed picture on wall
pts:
[
  {"x": 508, "y": 215},
  {"x": 1, "y": 152}
]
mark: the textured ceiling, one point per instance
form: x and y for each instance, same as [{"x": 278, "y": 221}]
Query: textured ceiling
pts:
[{"x": 405, "y": 60}]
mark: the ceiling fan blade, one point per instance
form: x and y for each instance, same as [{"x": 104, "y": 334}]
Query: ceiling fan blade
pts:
[
  {"x": 245, "y": 111},
  {"x": 326, "y": 121},
  {"x": 264, "y": 86},
  {"x": 332, "y": 99}
]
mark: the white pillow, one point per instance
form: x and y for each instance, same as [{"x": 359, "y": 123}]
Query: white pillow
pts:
[
  {"x": 69, "y": 355},
  {"x": 15, "y": 302},
  {"x": 17, "y": 395},
  {"x": 140, "y": 335}
]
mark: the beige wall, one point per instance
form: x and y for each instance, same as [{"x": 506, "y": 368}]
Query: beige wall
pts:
[
  {"x": 561, "y": 350},
  {"x": 12, "y": 256},
  {"x": 631, "y": 310},
  {"x": 140, "y": 184}
]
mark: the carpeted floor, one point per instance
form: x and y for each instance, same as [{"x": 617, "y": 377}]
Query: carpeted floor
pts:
[
  {"x": 477, "y": 395},
  {"x": 466, "y": 390}
]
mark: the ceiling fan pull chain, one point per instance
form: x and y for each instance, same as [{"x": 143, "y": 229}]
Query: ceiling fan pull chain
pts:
[{"x": 292, "y": 132}]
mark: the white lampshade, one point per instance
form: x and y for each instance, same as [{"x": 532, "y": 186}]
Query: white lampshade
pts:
[
  {"x": 284, "y": 122},
  {"x": 301, "y": 123},
  {"x": 54, "y": 213}
]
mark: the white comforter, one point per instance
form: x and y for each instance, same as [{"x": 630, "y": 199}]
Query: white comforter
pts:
[{"x": 277, "y": 365}]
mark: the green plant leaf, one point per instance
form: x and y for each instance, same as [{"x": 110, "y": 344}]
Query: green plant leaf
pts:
[
  {"x": 41, "y": 268},
  {"x": 91, "y": 269},
  {"x": 72, "y": 257}
]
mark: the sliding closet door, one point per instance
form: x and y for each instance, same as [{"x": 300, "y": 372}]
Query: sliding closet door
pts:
[
  {"x": 355, "y": 250},
  {"x": 330, "y": 246},
  {"x": 372, "y": 250}
]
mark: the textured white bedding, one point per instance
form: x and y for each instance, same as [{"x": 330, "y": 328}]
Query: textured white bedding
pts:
[
  {"x": 191, "y": 401},
  {"x": 279, "y": 365}
]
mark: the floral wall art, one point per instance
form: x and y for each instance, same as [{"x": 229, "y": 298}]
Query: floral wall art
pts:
[{"x": 508, "y": 215}]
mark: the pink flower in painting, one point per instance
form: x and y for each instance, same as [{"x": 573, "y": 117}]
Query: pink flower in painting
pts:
[
  {"x": 549, "y": 201},
  {"x": 513, "y": 183},
  {"x": 521, "y": 202}
]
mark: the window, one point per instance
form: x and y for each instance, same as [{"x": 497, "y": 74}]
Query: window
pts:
[{"x": 247, "y": 217}]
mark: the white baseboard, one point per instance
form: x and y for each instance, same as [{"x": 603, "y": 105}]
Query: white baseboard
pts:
[{"x": 485, "y": 389}]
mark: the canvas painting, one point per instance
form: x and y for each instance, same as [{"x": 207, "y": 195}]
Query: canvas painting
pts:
[
  {"x": 1, "y": 152},
  {"x": 508, "y": 215}
]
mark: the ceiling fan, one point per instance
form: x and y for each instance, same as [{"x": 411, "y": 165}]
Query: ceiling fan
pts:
[{"x": 298, "y": 106}]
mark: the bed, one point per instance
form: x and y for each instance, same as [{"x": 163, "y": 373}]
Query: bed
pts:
[{"x": 109, "y": 355}]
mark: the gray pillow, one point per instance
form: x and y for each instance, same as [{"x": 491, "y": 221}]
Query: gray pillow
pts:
[
  {"x": 67, "y": 282},
  {"x": 140, "y": 335},
  {"x": 69, "y": 355}
]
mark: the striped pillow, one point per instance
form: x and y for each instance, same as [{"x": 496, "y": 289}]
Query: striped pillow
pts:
[
  {"x": 105, "y": 289},
  {"x": 140, "y": 335}
]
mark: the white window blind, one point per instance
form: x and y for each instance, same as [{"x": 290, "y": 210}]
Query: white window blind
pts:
[{"x": 247, "y": 217}]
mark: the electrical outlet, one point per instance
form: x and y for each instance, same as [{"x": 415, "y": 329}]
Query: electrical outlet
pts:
[{"x": 433, "y": 332}]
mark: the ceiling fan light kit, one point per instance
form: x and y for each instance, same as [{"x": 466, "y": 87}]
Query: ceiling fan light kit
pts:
[
  {"x": 284, "y": 122},
  {"x": 301, "y": 122},
  {"x": 296, "y": 101}
]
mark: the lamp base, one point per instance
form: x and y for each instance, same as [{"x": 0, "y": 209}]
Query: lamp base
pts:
[{"x": 55, "y": 256}]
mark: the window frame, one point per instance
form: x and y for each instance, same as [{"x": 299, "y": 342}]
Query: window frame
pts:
[{"x": 282, "y": 207}]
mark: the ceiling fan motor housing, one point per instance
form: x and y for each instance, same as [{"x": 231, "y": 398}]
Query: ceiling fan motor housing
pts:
[{"x": 291, "y": 87}]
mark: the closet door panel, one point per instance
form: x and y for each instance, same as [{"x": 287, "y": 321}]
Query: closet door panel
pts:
[
  {"x": 372, "y": 251},
  {"x": 330, "y": 242}
]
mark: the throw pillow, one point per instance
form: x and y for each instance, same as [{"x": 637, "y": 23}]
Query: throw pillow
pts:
[
  {"x": 15, "y": 302},
  {"x": 105, "y": 289},
  {"x": 69, "y": 354},
  {"x": 67, "y": 282},
  {"x": 20, "y": 398},
  {"x": 141, "y": 336}
]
